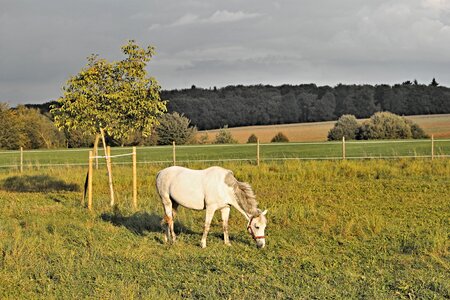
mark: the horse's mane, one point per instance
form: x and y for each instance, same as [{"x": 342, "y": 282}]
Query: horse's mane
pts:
[{"x": 244, "y": 194}]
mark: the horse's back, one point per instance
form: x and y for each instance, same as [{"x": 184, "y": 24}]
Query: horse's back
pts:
[{"x": 192, "y": 188}]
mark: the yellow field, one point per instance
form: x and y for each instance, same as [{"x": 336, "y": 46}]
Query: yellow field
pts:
[{"x": 438, "y": 125}]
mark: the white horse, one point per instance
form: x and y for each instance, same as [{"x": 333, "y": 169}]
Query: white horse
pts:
[{"x": 210, "y": 189}]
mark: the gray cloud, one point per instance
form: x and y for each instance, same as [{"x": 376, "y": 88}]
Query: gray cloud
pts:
[{"x": 216, "y": 43}]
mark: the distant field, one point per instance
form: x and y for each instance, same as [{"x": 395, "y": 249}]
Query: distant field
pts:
[{"x": 439, "y": 125}]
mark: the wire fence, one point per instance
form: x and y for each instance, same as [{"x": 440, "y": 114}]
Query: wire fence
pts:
[{"x": 253, "y": 153}]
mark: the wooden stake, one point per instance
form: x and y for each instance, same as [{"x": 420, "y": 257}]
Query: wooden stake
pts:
[
  {"x": 257, "y": 152},
  {"x": 21, "y": 159},
  {"x": 343, "y": 147},
  {"x": 97, "y": 138},
  {"x": 134, "y": 179},
  {"x": 108, "y": 166},
  {"x": 174, "y": 154},
  {"x": 432, "y": 147},
  {"x": 90, "y": 171}
]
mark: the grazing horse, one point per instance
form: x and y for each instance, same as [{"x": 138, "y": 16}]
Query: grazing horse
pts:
[{"x": 210, "y": 189}]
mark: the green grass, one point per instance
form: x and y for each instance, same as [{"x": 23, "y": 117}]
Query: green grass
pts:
[
  {"x": 354, "y": 149},
  {"x": 337, "y": 229}
]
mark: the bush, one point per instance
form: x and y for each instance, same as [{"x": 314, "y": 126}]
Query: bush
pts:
[
  {"x": 347, "y": 126},
  {"x": 175, "y": 128},
  {"x": 279, "y": 138},
  {"x": 416, "y": 131},
  {"x": 385, "y": 125},
  {"x": 203, "y": 139},
  {"x": 224, "y": 136},
  {"x": 252, "y": 139}
]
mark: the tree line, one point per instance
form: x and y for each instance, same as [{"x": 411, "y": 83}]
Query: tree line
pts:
[
  {"x": 32, "y": 126},
  {"x": 265, "y": 105}
]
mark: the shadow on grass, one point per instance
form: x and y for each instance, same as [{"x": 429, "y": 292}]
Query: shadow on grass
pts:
[
  {"x": 36, "y": 183},
  {"x": 141, "y": 222}
]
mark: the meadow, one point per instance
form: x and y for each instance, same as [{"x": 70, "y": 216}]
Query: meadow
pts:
[
  {"x": 369, "y": 229},
  {"x": 239, "y": 152}
]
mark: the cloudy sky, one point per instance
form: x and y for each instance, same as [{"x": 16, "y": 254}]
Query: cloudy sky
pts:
[{"x": 218, "y": 43}]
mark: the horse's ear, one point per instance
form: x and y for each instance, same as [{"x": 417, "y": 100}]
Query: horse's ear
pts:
[{"x": 264, "y": 212}]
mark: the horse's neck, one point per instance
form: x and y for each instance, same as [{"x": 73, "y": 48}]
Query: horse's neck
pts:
[{"x": 246, "y": 214}]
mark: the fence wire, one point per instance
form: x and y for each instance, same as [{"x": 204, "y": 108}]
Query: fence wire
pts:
[{"x": 185, "y": 154}]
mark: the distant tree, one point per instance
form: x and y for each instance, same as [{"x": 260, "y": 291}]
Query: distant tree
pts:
[
  {"x": 324, "y": 107},
  {"x": 224, "y": 136},
  {"x": 347, "y": 126},
  {"x": 385, "y": 125},
  {"x": 434, "y": 82},
  {"x": 252, "y": 139},
  {"x": 175, "y": 128},
  {"x": 77, "y": 139},
  {"x": 416, "y": 131},
  {"x": 203, "y": 138},
  {"x": 38, "y": 131},
  {"x": 10, "y": 135},
  {"x": 280, "y": 138}
]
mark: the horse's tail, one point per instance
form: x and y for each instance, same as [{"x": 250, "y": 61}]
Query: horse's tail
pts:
[{"x": 243, "y": 193}]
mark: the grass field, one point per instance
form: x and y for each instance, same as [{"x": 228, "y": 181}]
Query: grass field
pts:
[
  {"x": 371, "y": 229},
  {"x": 274, "y": 151},
  {"x": 438, "y": 125}
]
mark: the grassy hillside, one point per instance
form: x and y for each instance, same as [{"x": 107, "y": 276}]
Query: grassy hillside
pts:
[
  {"x": 337, "y": 229},
  {"x": 439, "y": 125}
]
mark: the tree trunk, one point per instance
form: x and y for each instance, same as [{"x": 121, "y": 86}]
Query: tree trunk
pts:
[{"x": 108, "y": 167}]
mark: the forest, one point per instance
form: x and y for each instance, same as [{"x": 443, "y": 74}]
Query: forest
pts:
[{"x": 264, "y": 104}]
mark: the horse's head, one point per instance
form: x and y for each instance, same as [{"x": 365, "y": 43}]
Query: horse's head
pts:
[{"x": 256, "y": 227}]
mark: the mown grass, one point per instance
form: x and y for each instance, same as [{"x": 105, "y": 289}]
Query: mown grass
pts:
[
  {"x": 337, "y": 229},
  {"x": 273, "y": 151}
]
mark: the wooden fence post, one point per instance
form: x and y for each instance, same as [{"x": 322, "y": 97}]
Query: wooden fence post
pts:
[
  {"x": 174, "y": 154},
  {"x": 134, "y": 179},
  {"x": 343, "y": 147},
  {"x": 21, "y": 159},
  {"x": 432, "y": 147},
  {"x": 257, "y": 152},
  {"x": 89, "y": 187},
  {"x": 108, "y": 166}
]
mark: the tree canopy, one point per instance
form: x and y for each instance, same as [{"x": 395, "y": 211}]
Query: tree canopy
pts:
[{"x": 118, "y": 97}]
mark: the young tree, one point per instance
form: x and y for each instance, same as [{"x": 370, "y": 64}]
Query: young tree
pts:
[
  {"x": 252, "y": 139},
  {"x": 175, "y": 128},
  {"x": 280, "y": 138},
  {"x": 113, "y": 98},
  {"x": 224, "y": 136},
  {"x": 347, "y": 126}
]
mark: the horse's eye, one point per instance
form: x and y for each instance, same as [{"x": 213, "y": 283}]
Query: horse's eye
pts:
[{"x": 257, "y": 227}]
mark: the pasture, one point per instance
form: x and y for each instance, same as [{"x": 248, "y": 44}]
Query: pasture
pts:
[
  {"x": 371, "y": 229},
  {"x": 239, "y": 152}
]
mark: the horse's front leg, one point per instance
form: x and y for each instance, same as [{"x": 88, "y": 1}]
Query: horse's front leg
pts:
[
  {"x": 209, "y": 215},
  {"x": 225, "y": 215}
]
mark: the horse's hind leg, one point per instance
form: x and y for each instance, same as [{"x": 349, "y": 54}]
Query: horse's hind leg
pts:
[
  {"x": 168, "y": 218},
  {"x": 171, "y": 224}
]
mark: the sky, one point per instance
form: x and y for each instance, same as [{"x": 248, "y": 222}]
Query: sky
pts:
[{"x": 214, "y": 43}]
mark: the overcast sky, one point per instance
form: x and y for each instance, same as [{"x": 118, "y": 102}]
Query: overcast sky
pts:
[{"x": 218, "y": 43}]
